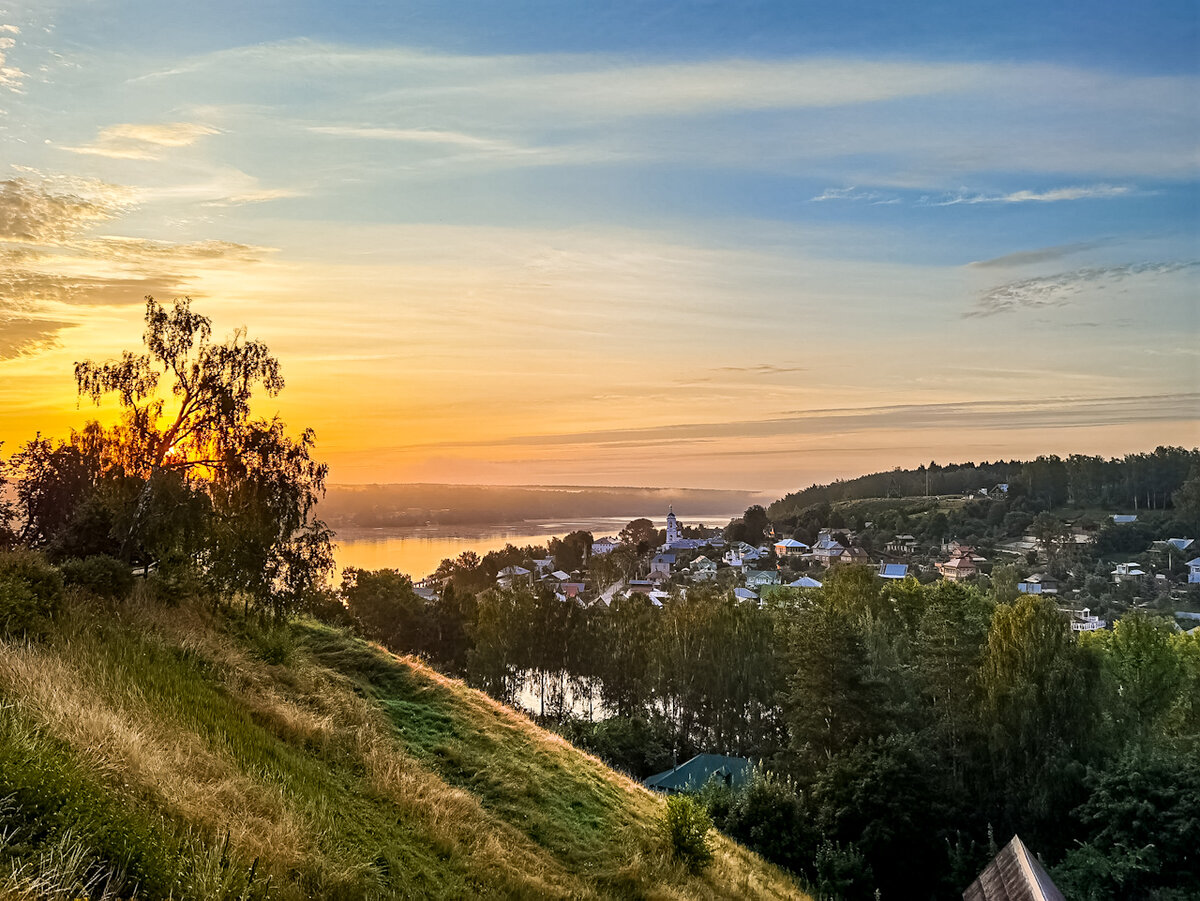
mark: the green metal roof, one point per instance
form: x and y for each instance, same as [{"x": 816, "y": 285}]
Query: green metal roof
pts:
[{"x": 694, "y": 775}]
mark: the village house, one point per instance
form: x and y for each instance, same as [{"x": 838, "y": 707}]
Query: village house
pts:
[
  {"x": 1083, "y": 621},
  {"x": 827, "y": 549},
  {"x": 893, "y": 570},
  {"x": 904, "y": 545},
  {"x": 703, "y": 569},
  {"x": 759, "y": 578},
  {"x": 661, "y": 565},
  {"x": 958, "y": 569},
  {"x": 1194, "y": 571},
  {"x": 513, "y": 575},
  {"x": 1127, "y": 572},
  {"x": 804, "y": 582},
  {"x": 790, "y": 547},
  {"x": 745, "y": 594},
  {"x": 1038, "y": 583},
  {"x": 604, "y": 546}
]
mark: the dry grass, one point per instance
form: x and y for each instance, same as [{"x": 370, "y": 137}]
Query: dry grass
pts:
[
  {"x": 117, "y": 734},
  {"x": 312, "y": 776}
]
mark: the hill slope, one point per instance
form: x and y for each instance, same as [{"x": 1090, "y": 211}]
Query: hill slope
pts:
[{"x": 174, "y": 752}]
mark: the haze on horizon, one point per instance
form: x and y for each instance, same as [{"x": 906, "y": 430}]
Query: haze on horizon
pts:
[{"x": 721, "y": 245}]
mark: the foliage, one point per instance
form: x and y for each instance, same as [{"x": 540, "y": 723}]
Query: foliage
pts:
[
  {"x": 100, "y": 574},
  {"x": 1136, "y": 832},
  {"x": 31, "y": 593},
  {"x": 202, "y": 481},
  {"x": 685, "y": 827}
]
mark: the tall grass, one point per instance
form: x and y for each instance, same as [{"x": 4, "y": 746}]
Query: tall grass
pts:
[{"x": 156, "y": 752}]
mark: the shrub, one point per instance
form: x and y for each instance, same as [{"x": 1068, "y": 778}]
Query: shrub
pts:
[
  {"x": 30, "y": 593},
  {"x": 685, "y": 826},
  {"x": 100, "y": 574}
]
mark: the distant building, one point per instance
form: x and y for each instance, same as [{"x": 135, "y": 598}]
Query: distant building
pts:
[
  {"x": 759, "y": 578},
  {"x": 1123, "y": 518},
  {"x": 703, "y": 569},
  {"x": 827, "y": 550},
  {"x": 958, "y": 569},
  {"x": 661, "y": 565},
  {"x": 604, "y": 546},
  {"x": 1038, "y": 583},
  {"x": 673, "y": 533},
  {"x": 893, "y": 570},
  {"x": 1083, "y": 621},
  {"x": 513, "y": 575},
  {"x": 902, "y": 544},
  {"x": 1194, "y": 571},
  {"x": 745, "y": 594},
  {"x": 804, "y": 582},
  {"x": 1126, "y": 572},
  {"x": 790, "y": 547}
]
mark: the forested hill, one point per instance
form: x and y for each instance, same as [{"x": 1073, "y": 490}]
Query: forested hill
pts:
[{"x": 1135, "y": 481}]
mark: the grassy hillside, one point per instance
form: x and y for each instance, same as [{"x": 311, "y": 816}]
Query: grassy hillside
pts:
[{"x": 172, "y": 752}]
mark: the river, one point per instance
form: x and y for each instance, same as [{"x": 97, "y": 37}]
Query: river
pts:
[{"x": 417, "y": 550}]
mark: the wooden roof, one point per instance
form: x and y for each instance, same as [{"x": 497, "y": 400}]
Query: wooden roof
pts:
[{"x": 1013, "y": 875}]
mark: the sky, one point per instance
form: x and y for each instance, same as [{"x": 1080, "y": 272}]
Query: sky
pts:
[{"x": 715, "y": 244}]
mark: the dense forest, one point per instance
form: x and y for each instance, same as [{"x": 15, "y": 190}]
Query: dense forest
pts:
[
  {"x": 893, "y": 723},
  {"x": 1134, "y": 482}
]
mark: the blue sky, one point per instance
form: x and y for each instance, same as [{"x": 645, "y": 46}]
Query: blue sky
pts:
[{"x": 667, "y": 226}]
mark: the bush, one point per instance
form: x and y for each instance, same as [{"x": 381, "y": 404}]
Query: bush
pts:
[
  {"x": 685, "y": 826},
  {"x": 30, "y": 593},
  {"x": 100, "y": 574}
]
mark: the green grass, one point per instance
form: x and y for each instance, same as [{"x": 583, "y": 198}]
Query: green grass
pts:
[{"x": 152, "y": 753}]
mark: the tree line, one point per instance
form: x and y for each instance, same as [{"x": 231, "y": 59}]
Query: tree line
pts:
[
  {"x": 903, "y": 730},
  {"x": 1134, "y": 482}
]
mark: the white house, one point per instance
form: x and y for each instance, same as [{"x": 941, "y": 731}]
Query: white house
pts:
[
  {"x": 1083, "y": 621},
  {"x": 759, "y": 578},
  {"x": 604, "y": 546},
  {"x": 1194, "y": 571}
]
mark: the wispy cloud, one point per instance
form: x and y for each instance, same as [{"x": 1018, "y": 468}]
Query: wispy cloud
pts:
[
  {"x": 143, "y": 141},
  {"x": 50, "y": 266},
  {"x": 11, "y": 78},
  {"x": 855, "y": 194},
  {"x": 1055, "y": 195},
  {"x": 1061, "y": 289},
  {"x": 1041, "y": 255},
  {"x": 763, "y": 369},
  {"x": 1063, "y": 412}
]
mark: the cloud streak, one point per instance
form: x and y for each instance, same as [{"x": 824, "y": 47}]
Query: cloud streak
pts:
[
  {"x": 1061, "y": 289},
  {"x": 1054, "y": 195},
  {"x": 130, "y": 141}
]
